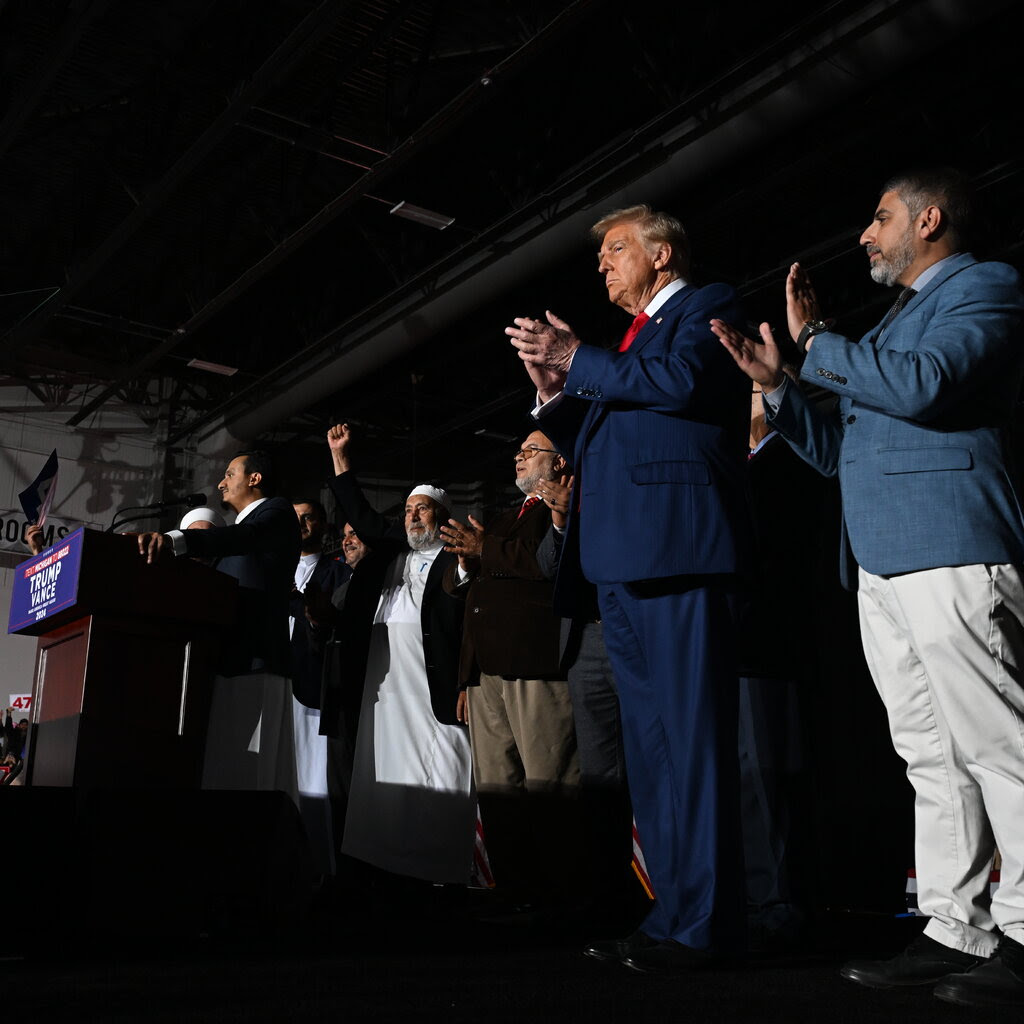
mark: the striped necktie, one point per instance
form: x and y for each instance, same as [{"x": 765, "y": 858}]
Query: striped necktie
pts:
[{"x": 529, "y": 503}]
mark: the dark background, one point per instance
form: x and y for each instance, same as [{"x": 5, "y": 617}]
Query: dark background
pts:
[{"x": 213, "y": 180}]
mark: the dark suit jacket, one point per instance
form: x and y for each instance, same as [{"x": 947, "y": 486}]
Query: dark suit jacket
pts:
[
  {"x": 658, "y": 439},
  {"x": 441, "y": 615},
  {"x": 307, "y": 654},
  {"x": 583, "y": 605},
  {"x": 511, "y": 629},
  {"x": 793, "y": 584},
  {"x": 261, "y": 553}
]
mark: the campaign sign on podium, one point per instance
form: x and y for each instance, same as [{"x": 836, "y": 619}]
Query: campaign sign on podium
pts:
[
  {"x": 124, "y": 664},
  {"x": 47, "y": 583}
]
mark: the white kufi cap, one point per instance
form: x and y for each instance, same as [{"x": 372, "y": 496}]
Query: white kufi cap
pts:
[
  {"x": 199, "y": 515},
  {"x": 440, "y": 496}
]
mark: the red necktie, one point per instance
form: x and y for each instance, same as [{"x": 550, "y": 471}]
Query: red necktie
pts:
[
  {"x": 634, "y": 329},
  {"x": 529, "y": 503}
]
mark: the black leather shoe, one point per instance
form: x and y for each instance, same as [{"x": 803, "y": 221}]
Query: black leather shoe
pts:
[
  {"x": 669, "y": 955},
  {"x": 923, "y": 962},
  {"x": 996, "y": 982},
  {"x": 618, "y": 949}
]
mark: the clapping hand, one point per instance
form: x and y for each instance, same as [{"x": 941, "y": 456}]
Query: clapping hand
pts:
[
  {"x": 464, "y": 540},
  {"x": 546, "y": 347},
  {"x": 801, "y": 301},
  {"x": 555, "y": 494},
  {"x": 761, "y": 360}
]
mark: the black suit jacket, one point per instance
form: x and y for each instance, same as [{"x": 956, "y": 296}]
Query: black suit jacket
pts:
[
  {"x": 307, "y": 654},
  {"x": 440, "y": 616},
  {"x": 584, "y": 605},
  {"x": 261, "y": 553},
  {"x": 794, "y": 593},
  {"x": 511, "y": 629}
]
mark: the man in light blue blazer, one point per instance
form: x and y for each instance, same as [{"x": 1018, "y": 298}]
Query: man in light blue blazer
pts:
[
  {"x": 657, "y": 432},
  {"x": 934, "y": 542}
]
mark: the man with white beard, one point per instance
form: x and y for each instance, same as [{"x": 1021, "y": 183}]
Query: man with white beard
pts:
[{"x": 411, "y": 805}]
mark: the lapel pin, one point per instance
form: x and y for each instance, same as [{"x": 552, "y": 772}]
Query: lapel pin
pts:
[{"x": 660, "y": 318}]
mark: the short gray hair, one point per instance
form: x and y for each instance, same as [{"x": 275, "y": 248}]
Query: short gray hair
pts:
[
  {"x": 654, "y": 227},
  {"x": 945, "y": 187}
]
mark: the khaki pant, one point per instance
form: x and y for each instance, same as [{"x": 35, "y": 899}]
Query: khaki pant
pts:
[
  {"x": 522, "y": 733},
  {"x": 527, "y": 779}
]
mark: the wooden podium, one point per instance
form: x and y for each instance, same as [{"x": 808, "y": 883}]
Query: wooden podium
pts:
[{"x": 124, "y": 669}]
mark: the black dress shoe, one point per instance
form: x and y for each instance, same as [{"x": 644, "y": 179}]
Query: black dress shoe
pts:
[
  {"x": 996, "y": 982},
  {"x": 668, "y": 955},
  {"x": 618, "y": 949},
  {"x": 923, "y": 962}
]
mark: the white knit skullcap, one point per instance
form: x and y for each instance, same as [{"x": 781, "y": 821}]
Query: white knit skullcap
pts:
[
  {"x": 441, "y": 497},
  {"x": 199, "y": 515}
]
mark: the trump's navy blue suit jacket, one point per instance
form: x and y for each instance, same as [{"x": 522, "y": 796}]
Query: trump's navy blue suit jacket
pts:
[
  {"x": 920, "y": 437},
  {"x": 657, "y": 437}
]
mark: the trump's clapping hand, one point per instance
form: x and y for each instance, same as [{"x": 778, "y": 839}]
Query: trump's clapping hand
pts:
[{"x": 546, "y": 347}]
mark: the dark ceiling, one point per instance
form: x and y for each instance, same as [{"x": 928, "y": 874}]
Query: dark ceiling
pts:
[{"x": 213, "y": 180}]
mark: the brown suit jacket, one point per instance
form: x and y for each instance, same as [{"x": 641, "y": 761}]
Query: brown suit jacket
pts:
[{"x": 510, "y": 627}]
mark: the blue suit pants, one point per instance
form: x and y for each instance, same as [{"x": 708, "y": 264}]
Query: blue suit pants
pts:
[{"x": 671, "y": 646}]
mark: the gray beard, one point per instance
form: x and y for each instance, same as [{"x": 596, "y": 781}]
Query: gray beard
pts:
[
  {"x": 420, "y": 540},
  {"x": 888, "y": 270},
  {"x": 529, "y": 484}
]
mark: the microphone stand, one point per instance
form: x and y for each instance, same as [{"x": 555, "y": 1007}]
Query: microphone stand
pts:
[
  {"x": 146, "y": 512},
  {"x": 153, "y": 509}
]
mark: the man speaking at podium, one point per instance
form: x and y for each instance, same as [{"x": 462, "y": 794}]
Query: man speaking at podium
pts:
[{"x": 249, "y": 742}]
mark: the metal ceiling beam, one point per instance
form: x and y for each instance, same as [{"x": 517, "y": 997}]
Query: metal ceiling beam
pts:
[
  {"x": 519, "y": 395},
  {"x": 669, "y": 150},
  {"x": 451, "y": 114},
  {"x": 86, "y": 12},
  {"x": 654, "y": 161},
  {"x": 307, "y": 34}
]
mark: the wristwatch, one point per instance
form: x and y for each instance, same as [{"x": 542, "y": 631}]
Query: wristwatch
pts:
[{"x": 809, "y": 329}]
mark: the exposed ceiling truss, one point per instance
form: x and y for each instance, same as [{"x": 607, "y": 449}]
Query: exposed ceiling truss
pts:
[{"x": 189, "y": 181}]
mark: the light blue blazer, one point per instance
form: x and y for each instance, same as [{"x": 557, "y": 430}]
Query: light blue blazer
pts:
[{"x": 920, "y": 437}]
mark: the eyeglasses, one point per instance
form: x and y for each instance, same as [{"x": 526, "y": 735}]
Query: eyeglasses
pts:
[{"x": 528, "y": 453}]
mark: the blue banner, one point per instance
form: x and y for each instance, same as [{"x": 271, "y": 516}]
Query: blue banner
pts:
[{"x": 46, "y": 584}]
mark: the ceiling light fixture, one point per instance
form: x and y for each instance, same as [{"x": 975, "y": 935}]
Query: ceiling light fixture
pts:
[
  {"x": 202, "y": 364},
  {"x": 421, "y": 216}
]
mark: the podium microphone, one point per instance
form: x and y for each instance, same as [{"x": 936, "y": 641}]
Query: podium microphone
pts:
[{"x": 147, "y": 511}]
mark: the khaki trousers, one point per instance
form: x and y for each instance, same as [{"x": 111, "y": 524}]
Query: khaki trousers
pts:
[
  {"x": 527, "y": 778},
  {"x": 522, "y": 733}
]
